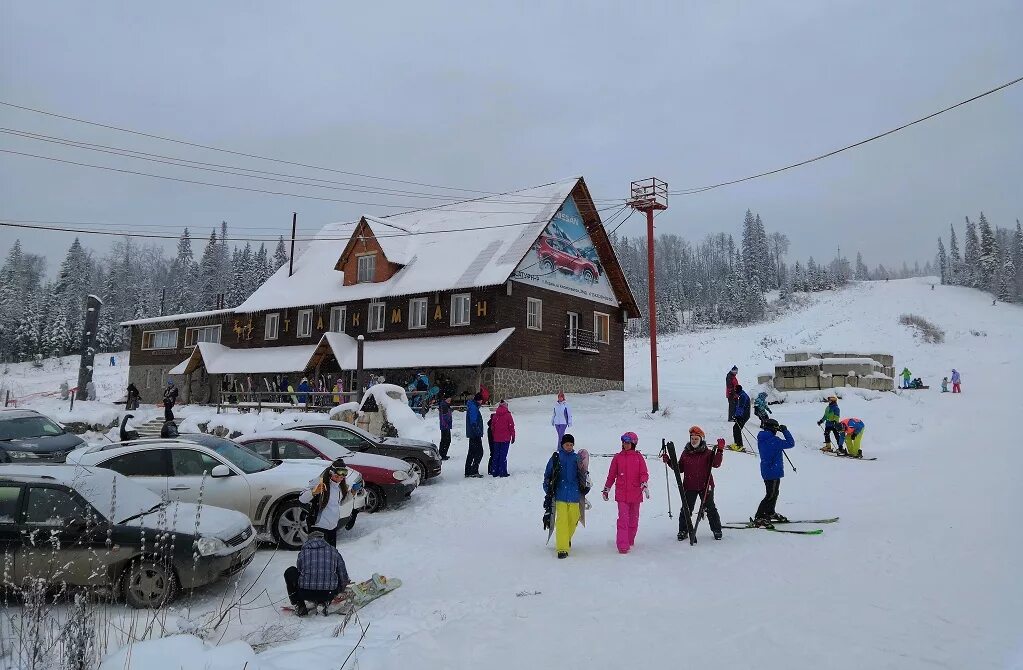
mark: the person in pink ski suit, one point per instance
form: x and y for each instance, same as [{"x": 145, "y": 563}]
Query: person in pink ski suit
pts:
[{"x": 629, "y": 475}]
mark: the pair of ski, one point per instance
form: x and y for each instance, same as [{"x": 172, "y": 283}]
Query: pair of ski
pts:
[
  {"x": 687, "y": 517},
  {"x": 835, "y": 454},
  {"x": 739, "y": 525}
]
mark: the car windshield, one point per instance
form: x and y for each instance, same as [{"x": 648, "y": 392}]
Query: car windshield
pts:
[
  {"x": 26, "y": 427},
  {"x": 245, "y": 460}
]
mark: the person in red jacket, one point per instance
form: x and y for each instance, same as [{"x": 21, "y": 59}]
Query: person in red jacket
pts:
[
  {"x": 629, "y": 476},
  {"x": 731, "y": 381},
  {"x": 503, "y": 427},
  {"x": 696, "y": 462}
]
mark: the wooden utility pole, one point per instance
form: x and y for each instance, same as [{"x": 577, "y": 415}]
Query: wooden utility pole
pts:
[
  {"x": 649, "y": 196},
  {"x": 291, "y": 259},
  {"x": 88, "y": 350}
]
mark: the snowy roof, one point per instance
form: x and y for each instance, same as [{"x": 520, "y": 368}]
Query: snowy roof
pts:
[
  {"x": 218, "y": 359},
  {"x": 427, "y": 352},
  {"x": 176, "y": 317},
  {"x": 462, "y": 245}
]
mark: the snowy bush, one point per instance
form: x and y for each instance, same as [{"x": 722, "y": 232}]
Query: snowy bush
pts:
[{"x": 927, "y": 330}]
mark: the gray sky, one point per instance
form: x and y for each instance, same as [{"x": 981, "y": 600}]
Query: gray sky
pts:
[{"x": 498, "y": 95}]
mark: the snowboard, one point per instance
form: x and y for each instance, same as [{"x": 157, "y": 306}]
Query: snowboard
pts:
[
  {"x": 549, "y": 507},
  {"x": 358, "y": 595},
  {"x": 584, "y": 476}
]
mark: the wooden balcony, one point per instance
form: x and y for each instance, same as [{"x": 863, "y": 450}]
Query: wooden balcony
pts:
[{"x": 581, "y": 341}]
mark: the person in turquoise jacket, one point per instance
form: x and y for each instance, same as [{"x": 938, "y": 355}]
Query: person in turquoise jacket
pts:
[
  {"x": 760, "y": 407},
  {"x": 772, "y": 469},
  {"x": 832, "y": 425}
]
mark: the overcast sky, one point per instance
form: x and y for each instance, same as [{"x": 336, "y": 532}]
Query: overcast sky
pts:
[{"x": 499, "y": 95}]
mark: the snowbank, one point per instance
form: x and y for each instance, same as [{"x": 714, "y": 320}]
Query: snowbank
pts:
[{"x": 399, "y": 414}]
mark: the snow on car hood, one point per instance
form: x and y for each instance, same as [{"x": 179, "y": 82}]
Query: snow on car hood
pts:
[
  {"x": 179, "y": 517},
  {"x": 407, "y": 442},
  {"x": 376, "y": 461}
]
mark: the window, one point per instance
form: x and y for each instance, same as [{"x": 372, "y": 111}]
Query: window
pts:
[
  {"x": 53, "y": 507},
  {"x": 534, "y": 313},
  {"x": 9, "y": 503},
  {"x": 160, "y": 339},
  {"x": 262, "y": 447},
  {"x": 305, "y": 322},
  {"x": 28, "y": 427},
  {"x": 338, "y": 315},
  {"x": 345, "y": 438},
  {"x": 601, "y": 327},
  {"x": 460, "y": 309},
  {"x": 197, "y": 334},
  {"x": 367, "y": 268},
  {"x": 376, "y": 317},
  {"x": 191, "y": 463},
  {"x": 417, "y": 313},
  {"x": 149, "y": 463},
  {"x": 273, "y": 325},
  {"x": 290, "y": 449}
]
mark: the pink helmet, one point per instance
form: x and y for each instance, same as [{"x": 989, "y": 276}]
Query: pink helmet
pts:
[{"x": 631, "y": 437}]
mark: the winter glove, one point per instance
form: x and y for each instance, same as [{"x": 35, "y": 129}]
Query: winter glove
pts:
[
  {"x": 820, "y": 422},
  {"x": 547, "y": 521},
  {"x": 721, "y": 444},
  {"x": 783, "y": 428},
  {"x": 603, "y": 494},
  {"x": 665, "y": 459},
  {"x": 646, "y": 491}
]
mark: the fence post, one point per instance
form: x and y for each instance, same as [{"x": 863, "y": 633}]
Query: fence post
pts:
[{"x": 360, "y": 370}]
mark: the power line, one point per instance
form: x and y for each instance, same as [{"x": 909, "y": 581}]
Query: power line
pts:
[{"x": 701, "y": 189}]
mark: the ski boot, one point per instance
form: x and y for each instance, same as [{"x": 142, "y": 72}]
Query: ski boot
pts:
[
  {"x": 717, "y": 535},
  {"x": 827, "y": 448},
  {"x": 778, "y": 518},
  {"x": 301, "y": 609},
  {"x": 761, "y": 522},
  {"x": 841, "y": 451},
  {"x": 562, "y": 554},
  {"x": 683, "y": 535}
]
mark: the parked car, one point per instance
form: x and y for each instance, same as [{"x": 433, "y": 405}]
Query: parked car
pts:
[
  {"x": 223, "y": 474},
  {"x": 90, "y": 527},
  {"x": 420, "y": 454},
  {"x": 561, "y": 255},
  {"x": 387, "y": 478},
  {"x": 28, "y": 436}
]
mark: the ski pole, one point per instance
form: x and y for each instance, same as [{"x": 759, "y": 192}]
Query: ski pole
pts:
[
  {"x": 667, "y": 483},
  {"x": 789, "y": 460}
]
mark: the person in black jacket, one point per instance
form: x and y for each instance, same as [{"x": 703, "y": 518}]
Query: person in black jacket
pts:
[
  {"x": 742, "y": 410},
  {"x": 170, "y": 398},
  {"x": 132, "y": 400}
]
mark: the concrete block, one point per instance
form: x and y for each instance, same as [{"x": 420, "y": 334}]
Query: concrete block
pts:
[{"x": 765, "y": 379}]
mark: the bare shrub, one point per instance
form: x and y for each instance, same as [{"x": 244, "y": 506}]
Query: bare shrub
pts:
[{"x": 923, "y": 328}]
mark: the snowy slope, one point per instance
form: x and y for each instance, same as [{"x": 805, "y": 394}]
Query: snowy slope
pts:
[{"x": 919, "y": 573}]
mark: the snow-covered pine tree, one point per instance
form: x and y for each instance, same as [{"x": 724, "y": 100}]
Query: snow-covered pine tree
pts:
[
  {"x": 862, "y": 273},
  {"x": 183, "y": 292},
  {"x": 971, "y": 256},
  {"x": 209, "y": 275},
  {"x": 987, "y": 262},
  {"x": 785, "y": 291},
  {"x": 237, "y": 293},
  {"x": 225, "y": 268},
  {"x": 280, "y": 255},
  {"x": 261, "y": 267},
  {"x": 1006, "y": 288},
  {"x": 63, "y": 334},
  {"x": 942, "y": 261},
  {"x": 798, "y": 277},
  {"x": 955, "y": 261},
  {"x": 1017, "y": 259}
]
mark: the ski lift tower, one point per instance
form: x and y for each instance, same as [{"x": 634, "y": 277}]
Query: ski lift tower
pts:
[{"x": 649, "y": 196}]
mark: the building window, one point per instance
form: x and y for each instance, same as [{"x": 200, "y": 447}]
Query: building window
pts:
[
  {"x": 367, "y": 268},
  {"x": 534, "y": 313},
  {"x": 160, "y": 339},
  {"x": 376, "y": 317},
  {"x": 417, "y": 313},
  {"x": 337, "y": 319},
  {"x": 273, "y": 326},
  {"x": 305, "y": 323},
  {"x": 197, "y": 334},
  {"x": 460, "y": 309},
  {"x": 601, "y": 327}
]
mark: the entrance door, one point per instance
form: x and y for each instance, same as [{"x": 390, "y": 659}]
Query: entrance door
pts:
[{"x": 572, "y": 331}]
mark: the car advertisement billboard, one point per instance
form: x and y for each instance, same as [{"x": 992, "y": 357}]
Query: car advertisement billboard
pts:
[{"x": 564, "y": 259}]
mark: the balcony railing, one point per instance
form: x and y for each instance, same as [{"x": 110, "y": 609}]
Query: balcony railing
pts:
[{"x": 580, "y": 340}]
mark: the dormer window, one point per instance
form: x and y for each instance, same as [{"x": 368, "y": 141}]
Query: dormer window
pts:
[{"x": 367, "y": 268}]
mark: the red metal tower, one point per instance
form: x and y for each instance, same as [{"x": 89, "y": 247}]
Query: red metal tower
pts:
[{"x": 649, "y": 196}]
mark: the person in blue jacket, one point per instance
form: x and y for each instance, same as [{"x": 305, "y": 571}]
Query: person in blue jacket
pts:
[
  {"x": 772, "y": 469},
  {"x": 474, "y": 431},
  {"x": 303, "y": 389},
  {"x": 741, "y": 416},
  {"x": 564, "y": 493}
]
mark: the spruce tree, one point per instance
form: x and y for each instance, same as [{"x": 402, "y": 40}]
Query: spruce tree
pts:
[
  {"x": 209, "y": 275},
  {"x": 971, "y": 256},
  {"x": 1017, "y": 259},
  {"x": 988, "y": 260},
  {"x": 1006, "y": 280},
  {"x": 280, "y": 255},
  {"x": 942, "y": 261},
  {"x": 955, "y": 261},
  {"x": 261, "y": 267},
  {"x": 184, "y": 292},
  {"x": 862, "y": 273}
]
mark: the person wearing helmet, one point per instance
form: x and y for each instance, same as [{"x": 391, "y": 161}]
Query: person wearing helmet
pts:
[
  {"x": 564, "y": 489},
  {"x": 741, "y": 416},
  {"x": 629, "y": 475},
  {"x": 760, "y": 407},
  {"x": 325, "y": 499},
  {"x": 832, "y": 415},
  {"x": 731, "y": 381},
  {"x": 853, "y": 429},
  {"x": 696, "y": 463},
  {"x": 772, "y": 469}
]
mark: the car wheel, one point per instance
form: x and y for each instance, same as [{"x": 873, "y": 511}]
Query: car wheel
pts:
[
  {"x": 288, "y": 527},
  {"x": 418, "y": 467},
  {"x": 376, "y": 500},
  {"x": 149, "y": 584},
  {"x": 547, "y": 265},
  {"x": 589, "y": 276}
]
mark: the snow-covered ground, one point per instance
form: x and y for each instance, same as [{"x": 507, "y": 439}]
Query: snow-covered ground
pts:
[{"x": 919, "y": 573}]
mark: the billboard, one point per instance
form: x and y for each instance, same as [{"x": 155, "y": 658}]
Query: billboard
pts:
[{"x": 564, "y": 259}]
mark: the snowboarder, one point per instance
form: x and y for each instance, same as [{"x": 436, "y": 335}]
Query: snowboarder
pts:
[
  {"x": 832, "y": 425},
  {"x": 906, "y": 376},
  {"x": 944, "y": 384},
  {"x": 318, "y": 576},
  {"x": 956, "y": 380},
  {"x": 503, "y": 431},
  {"x": 853, "y": 429},
  {"x": 170, "y": 397},
  {"x": 561, "y": 482},
  {"x": 772, "y": 469},
  {"x": 446, "y": 417},
  {"x": 760, "y": 407},
  {"x": 740, "y": 416},
  {"x": 303, "y": 391},
  {"x": 132, "y": 396},
  {"x": 629, "y": 475},
  {"x": 561, "y": 419},
  {"x": 696, "y": 463},
  {"x": 326, "y": 499},
  {"x": 731, "y": 381},
  {"x": 474, "y": 431}
]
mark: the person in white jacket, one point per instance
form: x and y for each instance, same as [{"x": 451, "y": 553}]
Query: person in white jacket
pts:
[{"x": 561, "y": 419}]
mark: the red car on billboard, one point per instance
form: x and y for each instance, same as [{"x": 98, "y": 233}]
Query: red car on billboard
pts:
[{"x": 561, "y": 255}]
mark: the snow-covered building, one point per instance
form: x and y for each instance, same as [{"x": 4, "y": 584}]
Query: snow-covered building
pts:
[{"x": 520, "y": 291}]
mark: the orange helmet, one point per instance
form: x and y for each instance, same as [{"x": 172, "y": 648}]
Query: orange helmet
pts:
[{"x": 698, "y": 431}]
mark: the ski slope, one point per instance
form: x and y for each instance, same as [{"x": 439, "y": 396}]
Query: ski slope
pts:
[{"x": 921, "y": 571}]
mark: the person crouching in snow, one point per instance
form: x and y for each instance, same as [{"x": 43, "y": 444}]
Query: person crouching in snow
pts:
[
  {"x": 561, "y": 481},
  {"x": 854, "y": 436},
  {"x": 696, "y": 463},
  {"x": 629, "y": 475},
  {"x": 318, "y": 576},
  {"x": 772, "y": 469}
]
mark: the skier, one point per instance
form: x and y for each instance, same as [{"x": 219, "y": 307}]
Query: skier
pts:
[
  {"x": 170, "y": 397},
  {"x": 561, "y": 482},
  {"x": 956, "y": 380},
  {"x": 760, "y": 407},
  {"x": 132, "y": 398},
  {"x": 772, "y": 469},
  {"x": 474, "y": 431},
  {"x": 696, "y": 463},
  {"x": 503, "y": 427},
  {"x": 318, "y": 576},
  {"x": 731, "y": 381},
  {"x": 853, "y": 429},
  {"x": 561, "y": 419},
  {"x": 629, "y": 475},
  {"x": 832, "y": 415},
  {"x": 906, "y": 376},
  {"x": 325, "y": 500},
  {"x": 944, "y": 384},
  {"x": 741, "y": 416},
  {"x": 303, "y": 391},
  {"x": 446, "y": 417}
]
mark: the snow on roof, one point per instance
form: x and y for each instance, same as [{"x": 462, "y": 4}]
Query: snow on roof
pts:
[
  {"x": 218, "y": 359},
  {"x": 423, "y": 352},
  {"x": 461, "y": 245},
  {"x": 176, "y": 317}
]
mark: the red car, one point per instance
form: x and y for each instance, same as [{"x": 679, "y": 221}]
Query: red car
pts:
[{"x": 561, "y": 255}]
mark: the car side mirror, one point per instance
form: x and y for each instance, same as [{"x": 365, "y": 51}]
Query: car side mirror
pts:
[{"x": 220, "y": 471}]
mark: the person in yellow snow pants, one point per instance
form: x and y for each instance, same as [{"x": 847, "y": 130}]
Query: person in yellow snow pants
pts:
[
  {"x": 566, "y": 518},
  {"x": 853, "y": 435},
  {"x": 565, "y": 486}
]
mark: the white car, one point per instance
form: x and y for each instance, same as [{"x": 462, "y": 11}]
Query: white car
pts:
[
  {"x": 386, "y": 478},
  {"x": 221, "y": 473}
]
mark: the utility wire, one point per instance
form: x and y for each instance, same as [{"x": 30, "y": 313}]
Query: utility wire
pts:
[{"x": 701, "y": 189}]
